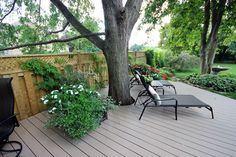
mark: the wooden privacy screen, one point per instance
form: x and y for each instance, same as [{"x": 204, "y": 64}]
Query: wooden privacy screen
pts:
[{"x": 27, "y": 96}]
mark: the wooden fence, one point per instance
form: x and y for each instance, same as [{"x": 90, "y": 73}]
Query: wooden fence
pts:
[{"x": 27, "y": 96}]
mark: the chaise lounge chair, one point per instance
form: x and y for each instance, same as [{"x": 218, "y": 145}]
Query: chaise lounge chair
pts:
[
  {"x": 8, "y": 119},
  {"x": 135, "y": 80},
  {"x": 154, "y": 100}
]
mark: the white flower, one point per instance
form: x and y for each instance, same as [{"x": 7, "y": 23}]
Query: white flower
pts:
[
  {"x": 76, "y": 92},
  {"x": 54, "y": 91},
  {"x": 45, "y": 102},
  {"x": 98, "y": 94},
  {"x": 74, "y": 86},
  {"x": 80, "y": 86},
  {"x": 61, "y": 87},
  {"x": 54, "y": 108},
  {"x": 55, "y": 96},
  {"x": 42, "y": 99},
  {"x": 59, "y": 101}
]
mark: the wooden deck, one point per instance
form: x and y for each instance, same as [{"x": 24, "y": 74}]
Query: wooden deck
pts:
[{"x": 157, "y": 134}]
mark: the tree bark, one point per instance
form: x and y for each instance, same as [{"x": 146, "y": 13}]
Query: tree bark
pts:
[
  {"x": 209, "y": 43},
  {"x": 119, "y": 22},
  {"x": 203, "y": 52}
]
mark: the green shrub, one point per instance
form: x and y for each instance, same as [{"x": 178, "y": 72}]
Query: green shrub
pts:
[
  {"x": 76, "y": 109},
  {"x": 150, "y": 57},
  {"x": 222, "y": 83},
  {"x": 50, "y": 74},
  {"x": 161, "y": 57},
  {"x": 183, "y": 62},
  {"x": 72, "y": 77}
]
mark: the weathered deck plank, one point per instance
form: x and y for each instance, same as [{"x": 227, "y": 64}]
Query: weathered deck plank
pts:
[{"x": 157, "y": 134}]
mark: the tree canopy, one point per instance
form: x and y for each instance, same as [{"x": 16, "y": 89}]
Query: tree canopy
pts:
[
  {"x": 196, "y": 26},
  {"x": 35, "y": 23},
  {"x": 184, "y": 30}
]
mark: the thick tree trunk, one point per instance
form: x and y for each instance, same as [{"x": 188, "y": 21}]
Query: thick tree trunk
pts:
[
  {"x": 203, "y": 51},
  {"x": 119, "y": 22},
  {"x": 208, "y": 46},
  {"x": 211, "y": 53},
  {"x": 118, "y": 76}
]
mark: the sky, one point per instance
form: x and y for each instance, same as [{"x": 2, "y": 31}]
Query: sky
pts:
[{"x": 137, "y": 37}]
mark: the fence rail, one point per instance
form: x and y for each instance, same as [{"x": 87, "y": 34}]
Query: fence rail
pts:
[{"x": 27, "y": 96}]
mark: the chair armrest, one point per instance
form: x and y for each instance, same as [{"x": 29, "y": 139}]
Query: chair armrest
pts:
[{"x": 13, "y": 117}]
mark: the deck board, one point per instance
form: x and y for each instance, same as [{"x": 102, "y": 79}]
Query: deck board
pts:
[{"x": 157, "y": 134}]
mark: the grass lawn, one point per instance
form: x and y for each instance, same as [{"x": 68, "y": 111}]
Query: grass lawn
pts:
[
  {"x": 232, "y": 70},
  {"x": 182, "y": 75}
]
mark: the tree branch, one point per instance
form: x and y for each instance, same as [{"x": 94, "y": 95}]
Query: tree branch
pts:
[
  {"x": 12, "y": 8},
  {"x": 133, "y": 8},
  {"x": 77, "y": 25},
  {"x": 61, "y": 30},
  {"x": 53, "y": 41}
]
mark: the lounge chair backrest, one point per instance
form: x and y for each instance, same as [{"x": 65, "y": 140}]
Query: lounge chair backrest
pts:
[
  {"x": 7, "y": 98},
  {"x": 150, "y": 90}
]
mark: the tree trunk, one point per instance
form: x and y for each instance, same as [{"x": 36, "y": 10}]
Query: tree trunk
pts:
[
  {"x": 203, "y": 52},
  {"x": 208, "y": 46},
  {"x": 119, "y": 22},
  {"x": 116, "y": 45}
]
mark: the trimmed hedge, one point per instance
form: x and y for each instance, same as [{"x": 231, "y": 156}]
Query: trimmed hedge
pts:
[{"x": 221, "y": 83}]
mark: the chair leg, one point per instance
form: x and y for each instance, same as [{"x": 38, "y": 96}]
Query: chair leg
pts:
[
  {"x": 139, "y": 94},
  {"x": 174, "y": 89},
  {"x": 18, "y": 151},
  {"x": 210, "y": 109},
  {"x": 175, "y": 113},
  {"x": 142, "y": 112}
]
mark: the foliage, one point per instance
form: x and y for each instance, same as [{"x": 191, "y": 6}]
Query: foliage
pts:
[
  {"x": 72, "y": 77},
  {"x": 76, "y": 109},
  {"x": 222, "y": 83},
  {"x": 158, "y": 57},
  {"x": 153, "y": 73},
  {"x": 36, "y": 24},
  {"x": 84, "y": 45},
  {"x": 137, "y": 47},
  {"x": 99, "y": 61},
  {"x": 183, "y": 62},
  {"x": 150, "y": 57},
  {"x": 183, "y": 33},
  {"x": 232, "y": 48},
  {"x": 59, "y": 61},
  {"x": 50, "y": 74}
]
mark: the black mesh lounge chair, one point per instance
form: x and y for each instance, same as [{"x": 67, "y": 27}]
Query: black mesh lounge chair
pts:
[
  {"x": 135, "y": 80},
  {"x": 8, "y": 119},
  {"x": 155, "y": 84},
  {"x": 154, "y": 100}
]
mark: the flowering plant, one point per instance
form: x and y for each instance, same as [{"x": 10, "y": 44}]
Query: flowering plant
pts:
[
  {"x": 155, "y": 74},
  {"x": 76, "y": 109}
]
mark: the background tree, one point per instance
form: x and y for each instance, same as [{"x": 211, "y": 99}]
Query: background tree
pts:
[
  {"x": 37, "y": 24},
  {"x": 119, "y": 22},
  {"x": 137, "y": 47},
  {"x": 191, "y": 18}
]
